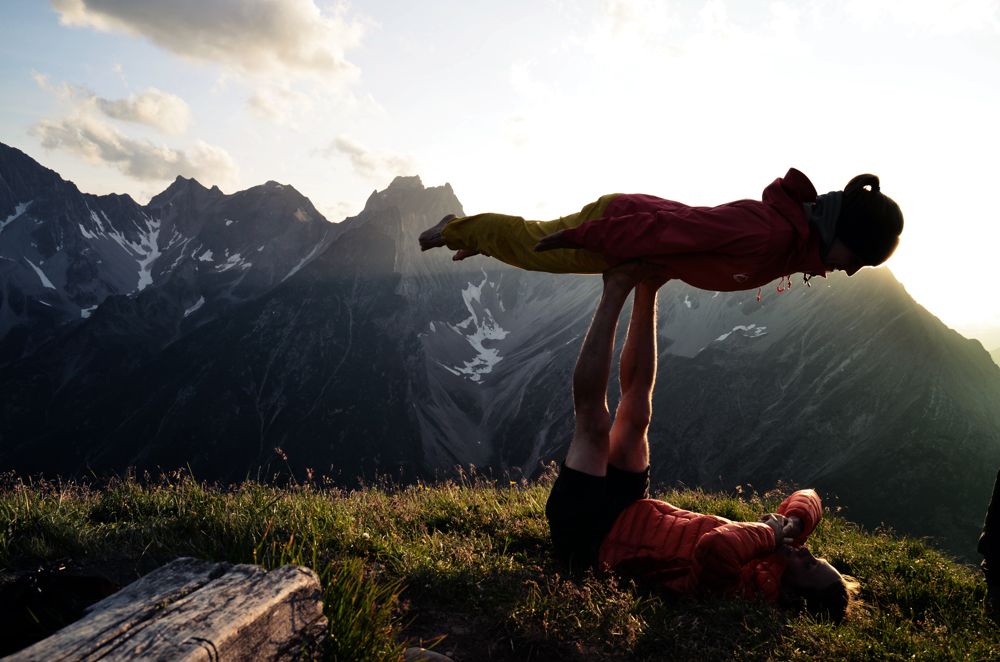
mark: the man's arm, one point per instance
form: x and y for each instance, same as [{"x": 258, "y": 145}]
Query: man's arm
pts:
[
  {"x": 804, "y": 510},
  {"x": 722, "y": 552}
]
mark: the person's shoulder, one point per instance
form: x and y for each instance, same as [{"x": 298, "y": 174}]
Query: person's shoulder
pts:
[{"x": 798, "y": 186}]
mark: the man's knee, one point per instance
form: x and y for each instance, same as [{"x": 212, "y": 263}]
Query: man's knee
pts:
[
  {"x": 593, "y": 424},
  {"x": 634, "y": 416}
]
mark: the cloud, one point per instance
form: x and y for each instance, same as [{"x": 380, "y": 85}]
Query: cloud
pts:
[
  {"x": 156, "y": 108},
  {"x": 63, "y": 91},
  {"x": 291, "y": 37},
  {"x": 100, "y": 143},
  {"x": 279, "y": 104},
  {"x": 368, "y": 163},
  {"x": 942, "y": 17},
  {"x": 161, "y": 110}
]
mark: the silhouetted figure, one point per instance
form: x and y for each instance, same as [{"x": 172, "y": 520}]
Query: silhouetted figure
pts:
[
  {"x": 735, "y": 246},
  {"x": 989, "y": 547}
]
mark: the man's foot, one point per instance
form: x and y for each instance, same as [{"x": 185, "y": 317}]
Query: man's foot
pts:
[{"x": 432, "y": 237}]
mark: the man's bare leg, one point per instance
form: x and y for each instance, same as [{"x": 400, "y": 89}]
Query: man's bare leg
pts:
[
  {"x": 629, "y": 445},
  {"x": 588, "y": 451}
]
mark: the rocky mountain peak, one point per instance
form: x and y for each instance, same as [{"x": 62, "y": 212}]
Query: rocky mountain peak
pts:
[
  {"x": 22, "y": 180},
  {"x": 182, "y": 188},
  {"x": 406, "y": 183},
  {"x": 411, "y": 194}
]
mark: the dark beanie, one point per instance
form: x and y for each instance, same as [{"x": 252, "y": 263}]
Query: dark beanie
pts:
[{"x": 870, "y": 222}]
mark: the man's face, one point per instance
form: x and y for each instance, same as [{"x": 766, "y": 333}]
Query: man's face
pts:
[{"x": 806, "y": 571}]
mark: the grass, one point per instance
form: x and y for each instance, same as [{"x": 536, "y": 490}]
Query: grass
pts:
[{"x": 464, "y": 566}]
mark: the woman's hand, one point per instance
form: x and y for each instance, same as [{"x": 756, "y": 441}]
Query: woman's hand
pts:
[
  {"x": 554, "y": 241},
  {"x": 777, "y": 523},
  {"x": 793, "y": 528}
]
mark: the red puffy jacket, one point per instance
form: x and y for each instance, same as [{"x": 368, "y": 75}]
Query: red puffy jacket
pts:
[
  {"x": 685, "y": 552},
  {"x": 735, "y": 246}
]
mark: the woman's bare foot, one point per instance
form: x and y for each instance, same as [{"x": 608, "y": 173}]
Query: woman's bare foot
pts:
[{"x": 432, "y": 237}]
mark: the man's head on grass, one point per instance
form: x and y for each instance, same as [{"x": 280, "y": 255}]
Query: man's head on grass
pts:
[{"x": 813, "y": 584}]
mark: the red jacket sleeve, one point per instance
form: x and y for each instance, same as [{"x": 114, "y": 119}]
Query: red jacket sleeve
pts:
[
  {"x": 722, "y": 552},
  {"x": 805, "y": 505}
]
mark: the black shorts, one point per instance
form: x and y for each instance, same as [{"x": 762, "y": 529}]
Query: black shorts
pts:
[{"x": 582, "y": 508}]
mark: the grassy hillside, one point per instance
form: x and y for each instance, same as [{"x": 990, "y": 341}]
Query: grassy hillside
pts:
[{"x": 464, "y": 566}]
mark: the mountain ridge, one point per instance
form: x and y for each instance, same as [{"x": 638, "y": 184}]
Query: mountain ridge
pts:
[{"x": 357, "y": 355}]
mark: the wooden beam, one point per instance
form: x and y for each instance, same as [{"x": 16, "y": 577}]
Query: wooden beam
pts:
[{"x": 194, "y": 610}]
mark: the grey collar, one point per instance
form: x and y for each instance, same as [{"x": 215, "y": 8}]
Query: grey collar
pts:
[{"x": 823, "y": 215}]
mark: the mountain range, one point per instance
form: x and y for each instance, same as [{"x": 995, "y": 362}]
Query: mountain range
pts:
[{"x": 244, "y": 335}]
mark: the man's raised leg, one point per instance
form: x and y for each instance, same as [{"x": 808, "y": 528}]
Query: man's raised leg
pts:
[
  {"x": 629, "y": 446},
  {"x": 577, "y": 508},
  {"x": 588, "y": 451}
]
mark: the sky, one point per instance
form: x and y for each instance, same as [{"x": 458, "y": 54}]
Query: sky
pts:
[{"x": 533, "y": 107}]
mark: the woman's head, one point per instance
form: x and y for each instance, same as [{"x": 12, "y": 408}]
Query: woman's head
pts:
[
  {"x": 870, "y": 222},
  {"x": 815, "y": 585}
]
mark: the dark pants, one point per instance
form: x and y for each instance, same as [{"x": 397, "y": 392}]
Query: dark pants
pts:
[
  {"x": 989, "y": 541},
  {"x": 582, "y": 508}
]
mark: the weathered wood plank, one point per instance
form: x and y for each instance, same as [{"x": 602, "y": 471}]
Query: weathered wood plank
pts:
[{"x": 194, "y": 610}]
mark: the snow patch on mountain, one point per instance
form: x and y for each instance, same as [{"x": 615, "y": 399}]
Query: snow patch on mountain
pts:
[
  {"x": 144, "y": 250},
  {"x": 41, "y": 275},
  {"x": 747, "y": 331},
  {"x": 206, "y": 256},
  {"x": 234, "y": 260},
  {"x": 301, "y": 263},
  {"x": 18, "y": 211},
  {"x": 197, "y": 304},
  {"x": 477, "y": 329},
  {"x": 148, "y": 250}
]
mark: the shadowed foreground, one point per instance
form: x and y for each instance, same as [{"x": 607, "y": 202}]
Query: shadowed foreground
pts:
[{"x": 463, "y": 567}]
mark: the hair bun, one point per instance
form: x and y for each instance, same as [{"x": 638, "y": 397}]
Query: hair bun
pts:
[
  {"x": 862, "y": 181},
  {"x": 870, "y": 222}
]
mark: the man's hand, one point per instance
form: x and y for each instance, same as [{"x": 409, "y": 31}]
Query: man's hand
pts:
[
  {"x": 554, "y": 241},
  {"x": 793, "y": 528},
  {"x": 777, "y": 523},
  {"x": 626, "y": 274}
]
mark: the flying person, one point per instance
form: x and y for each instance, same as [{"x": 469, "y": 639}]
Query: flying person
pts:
[
  {"x": 735, "y": 246},
  {"x": 599, "y": 510}
]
